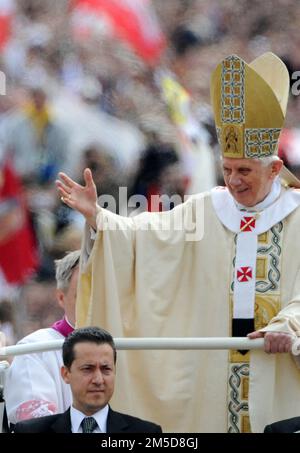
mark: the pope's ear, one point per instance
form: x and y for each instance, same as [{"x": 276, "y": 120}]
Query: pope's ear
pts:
[{"x": 276, "y": 167}]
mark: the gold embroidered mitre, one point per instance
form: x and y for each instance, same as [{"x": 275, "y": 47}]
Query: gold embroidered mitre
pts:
[{"x": 249, "y": 104}]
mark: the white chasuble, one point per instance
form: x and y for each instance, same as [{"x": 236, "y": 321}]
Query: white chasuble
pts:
[{"x": 138, "y": 280}]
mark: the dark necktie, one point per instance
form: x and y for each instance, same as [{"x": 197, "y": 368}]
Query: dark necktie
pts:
[{"x": 88, "y": 424}]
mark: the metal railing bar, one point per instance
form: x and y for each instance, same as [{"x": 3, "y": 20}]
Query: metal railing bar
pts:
[{"x": 190, "y": 343}]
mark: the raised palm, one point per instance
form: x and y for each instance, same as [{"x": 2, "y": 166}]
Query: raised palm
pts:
[{"x": 81, "y": 198}]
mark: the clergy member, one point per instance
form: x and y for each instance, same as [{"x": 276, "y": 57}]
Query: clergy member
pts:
[{"x": 223, "y": 263}]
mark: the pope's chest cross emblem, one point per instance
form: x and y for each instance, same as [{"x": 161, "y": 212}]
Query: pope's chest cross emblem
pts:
[{"x": 247, "y": 223}]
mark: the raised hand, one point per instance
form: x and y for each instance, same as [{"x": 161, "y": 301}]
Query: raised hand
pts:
[{"x": 81, "y": 198}]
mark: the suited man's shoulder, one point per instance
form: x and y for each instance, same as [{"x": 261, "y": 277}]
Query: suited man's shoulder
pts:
[
  {"x": 35, "y": 425},
  {"x": 289, "y": 425},
  {"x": 118, "y": 421},
  {"x": 61, "y": 423}
]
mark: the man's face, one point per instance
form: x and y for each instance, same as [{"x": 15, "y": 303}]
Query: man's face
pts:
[
  {"x": 248, "y": 181},
  {"x": 91, "y": 376}
]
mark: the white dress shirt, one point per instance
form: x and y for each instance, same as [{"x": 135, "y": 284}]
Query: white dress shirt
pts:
[{"x": 100, "y": 417}]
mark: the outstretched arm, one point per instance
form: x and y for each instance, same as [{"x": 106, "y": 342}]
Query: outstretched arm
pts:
[{"x": 81, "y": 198}]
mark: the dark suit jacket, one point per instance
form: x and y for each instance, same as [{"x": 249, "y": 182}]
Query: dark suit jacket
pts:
[
  {"x": 61, "y": 423},
  {"x": 290, "y": 425}
]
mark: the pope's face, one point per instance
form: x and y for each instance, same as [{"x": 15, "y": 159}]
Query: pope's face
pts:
[{"x": 248, "y": 180}]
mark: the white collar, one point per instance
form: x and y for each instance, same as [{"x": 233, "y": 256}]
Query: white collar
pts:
[
  {"x": 230, "y": 216},
  {"x": 77, "y": 417}
]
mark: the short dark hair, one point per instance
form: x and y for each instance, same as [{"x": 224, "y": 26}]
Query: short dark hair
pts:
[{"x": 86, "y": 334}]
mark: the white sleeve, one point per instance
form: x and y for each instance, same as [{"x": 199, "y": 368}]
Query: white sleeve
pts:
[
  {"x": 31, "y": 389},
  {"x": 89, "y": 238}
]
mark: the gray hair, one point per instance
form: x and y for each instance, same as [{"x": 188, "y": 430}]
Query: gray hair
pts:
[
  {"x": 64, "y": 269},
  {"x": 265, "y": 161}
]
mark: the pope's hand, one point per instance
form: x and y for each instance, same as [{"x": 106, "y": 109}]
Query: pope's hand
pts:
[
  {"x": 81, "y": 198},
  {"x": 274, "y": 341}
]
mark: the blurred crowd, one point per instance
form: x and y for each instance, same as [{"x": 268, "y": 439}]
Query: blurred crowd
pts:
[{"x": 78, "y": 96}]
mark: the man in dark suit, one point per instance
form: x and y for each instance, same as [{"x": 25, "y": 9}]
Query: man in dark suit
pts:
[
  {"x": 289, "y": 425},
  {"x": 89, "y": 357}
]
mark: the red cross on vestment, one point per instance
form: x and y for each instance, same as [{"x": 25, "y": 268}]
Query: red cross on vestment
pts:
[
  {"x": 244, "y": 274},
  {"x": 247, "y": 224}
]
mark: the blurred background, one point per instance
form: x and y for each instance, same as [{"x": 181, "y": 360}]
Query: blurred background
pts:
[{"x": 121, "y": 87}]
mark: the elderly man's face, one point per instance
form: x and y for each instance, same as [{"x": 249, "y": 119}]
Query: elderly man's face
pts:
[{"x": 248, "y": 181}]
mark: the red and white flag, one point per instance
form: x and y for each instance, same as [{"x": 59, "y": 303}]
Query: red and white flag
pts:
[
  {"x": 132, "y": 21},
  {"x": 7, "y": 8}
]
